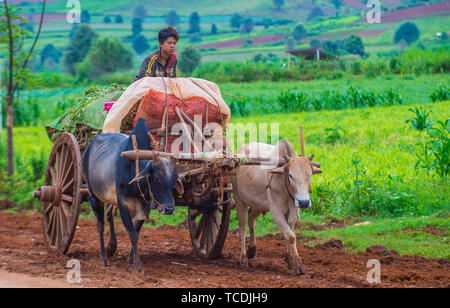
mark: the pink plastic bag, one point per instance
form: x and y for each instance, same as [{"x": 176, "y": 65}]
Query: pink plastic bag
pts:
[{"x": 108, "y": 106}]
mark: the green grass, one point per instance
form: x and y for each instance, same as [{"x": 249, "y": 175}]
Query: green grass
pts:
[
  {"x": 415, "y": 89},
  {"x": 392, "y": 233}
]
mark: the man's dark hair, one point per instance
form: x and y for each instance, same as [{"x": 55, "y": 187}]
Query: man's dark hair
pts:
[{"x": 164, "y": 34}]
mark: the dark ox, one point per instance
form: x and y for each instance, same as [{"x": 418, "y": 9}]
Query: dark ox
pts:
[{"x": 112, "y": 180}]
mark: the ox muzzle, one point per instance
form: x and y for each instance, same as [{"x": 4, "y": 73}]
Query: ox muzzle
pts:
[{"x": 303, "y": 204}]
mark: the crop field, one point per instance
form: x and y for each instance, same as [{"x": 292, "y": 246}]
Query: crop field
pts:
[{"x": 374, "y": 113}]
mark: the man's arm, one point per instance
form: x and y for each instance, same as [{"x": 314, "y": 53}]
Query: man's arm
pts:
[{"x": 142, "y": 70}]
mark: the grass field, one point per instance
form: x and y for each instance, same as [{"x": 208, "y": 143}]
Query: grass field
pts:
[{"x": 408, "y": 209}]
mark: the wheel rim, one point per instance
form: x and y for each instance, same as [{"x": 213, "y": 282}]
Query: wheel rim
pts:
[{"x": 61, "y": 194}]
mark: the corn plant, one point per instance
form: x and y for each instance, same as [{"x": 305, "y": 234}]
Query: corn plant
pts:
[
  {"x": 434, "y": 151},
  {"x": 441, "y": 93},
  {"x": 421, "y": 120}
]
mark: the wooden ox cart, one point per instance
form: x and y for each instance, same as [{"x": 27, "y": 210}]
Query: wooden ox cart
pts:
[{"x": 204, "y": 188}]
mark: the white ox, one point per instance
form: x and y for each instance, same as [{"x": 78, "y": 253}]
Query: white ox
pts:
[{"x": 282, "y": 191}]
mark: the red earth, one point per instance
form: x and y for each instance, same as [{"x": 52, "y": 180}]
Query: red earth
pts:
[
  {"x": 236, "y": 43},
  {"x": 168, "y": 261},
  {"x": 415, "y": 12}
]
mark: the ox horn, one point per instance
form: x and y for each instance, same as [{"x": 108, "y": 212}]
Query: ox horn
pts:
[
  {"x": 313, "y": 163},
  {"x": 143, "y": 174},
  {"x": 316, "y": 170}
]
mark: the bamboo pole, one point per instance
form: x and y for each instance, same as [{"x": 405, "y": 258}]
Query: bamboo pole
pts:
[
  {"x": 187, "y": 131},
  {"x": 302, "y": 144}
]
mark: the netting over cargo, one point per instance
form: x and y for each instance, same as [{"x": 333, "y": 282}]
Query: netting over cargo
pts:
[{"x": 87, "y": 116}]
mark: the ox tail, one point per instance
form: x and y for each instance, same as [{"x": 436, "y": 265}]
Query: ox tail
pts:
[
  {"x": 85, "y": 167},
  {"x": 141, "y": 132}
]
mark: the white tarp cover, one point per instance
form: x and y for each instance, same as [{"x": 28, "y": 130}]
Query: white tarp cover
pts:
[{"x": 182, "y": 88}]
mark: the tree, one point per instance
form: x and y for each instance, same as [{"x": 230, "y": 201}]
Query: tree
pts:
[
  {"x": 236, "y": 21},
  {"x": 247, "y": 26},
  {"x": 267, "y": 22},
  {"x": 290, "y": 43},
  {"x": 140, "y": 12},
  {"x": 140, "y": 44},
  {"x": 190, "y": 58},
  {"x": 315, "y": 43},
  {"x": 11, "y": 40},
  {"x": 408, "y": 32},
  {"x": 107, "y": 55},
  {"x": 85, "y": 17},
  {"x": 213, "y": 29},
  {"x": 136, "y": 26},
  {"x": 195, "y": 37},
  {"x": 78, "y": 49},
  {"x": 107, "y": 19},
  {"x": 299, "y": 32},
  {"x": 49, "y": 51},
  {"x": 315, "y": 12},
  {"x": 337, "y": 3},
  {"x": 194, "y": 23},
  {"x": 278, "y": 4},
  {"x": 354, "y": 45},
  {"x": 119, "y": 19},
  {"x": 172, "y": 18}
]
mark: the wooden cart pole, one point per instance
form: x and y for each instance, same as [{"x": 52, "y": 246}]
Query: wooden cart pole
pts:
[{"x": 302, "y": 144}]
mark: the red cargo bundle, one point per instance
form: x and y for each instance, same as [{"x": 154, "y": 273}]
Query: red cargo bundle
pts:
[{"x": 152, "y": 107}]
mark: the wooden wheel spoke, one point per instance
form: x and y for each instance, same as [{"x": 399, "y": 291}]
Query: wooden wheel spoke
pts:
[
  {"x": 66, "y": 210},
  {"x": 48, "y": 209},
  {"x": 54, "y": 228},
  {"x": 58, "y": 166},
  {"x": 67, "y": 198},
  {"x": 203, "y": 239},
  {"x": 200, "y": 227},
  {"x": 67, "y": 185},
  {"x": 66, "y": 173},
  {"x": 62, "y": 161},
  {"x": 54, "y": 175},
  {"x": 58, "y": 227},
  {"x": 62, "y": 223}
]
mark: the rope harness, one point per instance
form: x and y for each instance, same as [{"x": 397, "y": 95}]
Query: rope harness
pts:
[
  {"x": 152, "y": 196},
  {"x": 286, "y": 184}
]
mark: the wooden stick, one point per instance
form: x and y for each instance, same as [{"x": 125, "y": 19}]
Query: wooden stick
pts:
[
  {"x": 195, "y": 126},
  {"x": 163, "y": 124},
  {"x": 187, "y": 130},
  {"x": 202, "y": 157},
  {"x": 135, "y": 148},
  {"x": 301, "y": 141}
]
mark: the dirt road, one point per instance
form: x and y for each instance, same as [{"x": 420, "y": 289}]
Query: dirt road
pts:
[{"x": 169, "y": 262}]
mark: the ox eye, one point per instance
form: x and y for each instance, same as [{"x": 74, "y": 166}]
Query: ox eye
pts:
[{"x": 291, "y": 177}]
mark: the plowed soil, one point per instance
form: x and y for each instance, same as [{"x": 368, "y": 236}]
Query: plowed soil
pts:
[{"x": 168, "y": 261}]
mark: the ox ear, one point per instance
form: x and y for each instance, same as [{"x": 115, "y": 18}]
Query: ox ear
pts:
[
  {"x": 277, "y": 170},
  {"x": 316, "y": 170},
  {"x": 143, "y": 173}
]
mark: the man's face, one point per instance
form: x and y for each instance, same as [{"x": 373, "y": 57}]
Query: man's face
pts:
[{"x": 169, "y": 46}]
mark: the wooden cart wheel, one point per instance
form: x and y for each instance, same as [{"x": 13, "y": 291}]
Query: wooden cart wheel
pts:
[
  {"x": 61, "y": 194},
  {"x": 208, "y": 227}
]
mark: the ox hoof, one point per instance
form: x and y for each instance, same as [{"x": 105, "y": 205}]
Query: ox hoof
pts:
[
  {"x": 299, "y": 267},
  {"x": 134, "y": 268},
  {"x": 251, "y": 252},
  {"x": 111, "y": 249},
  {"x": 104, "y": 262},
  {"x": 243, "y": 262},
  {"x": 300, "y": 270},
  {"x": 288, "y": 261}
]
